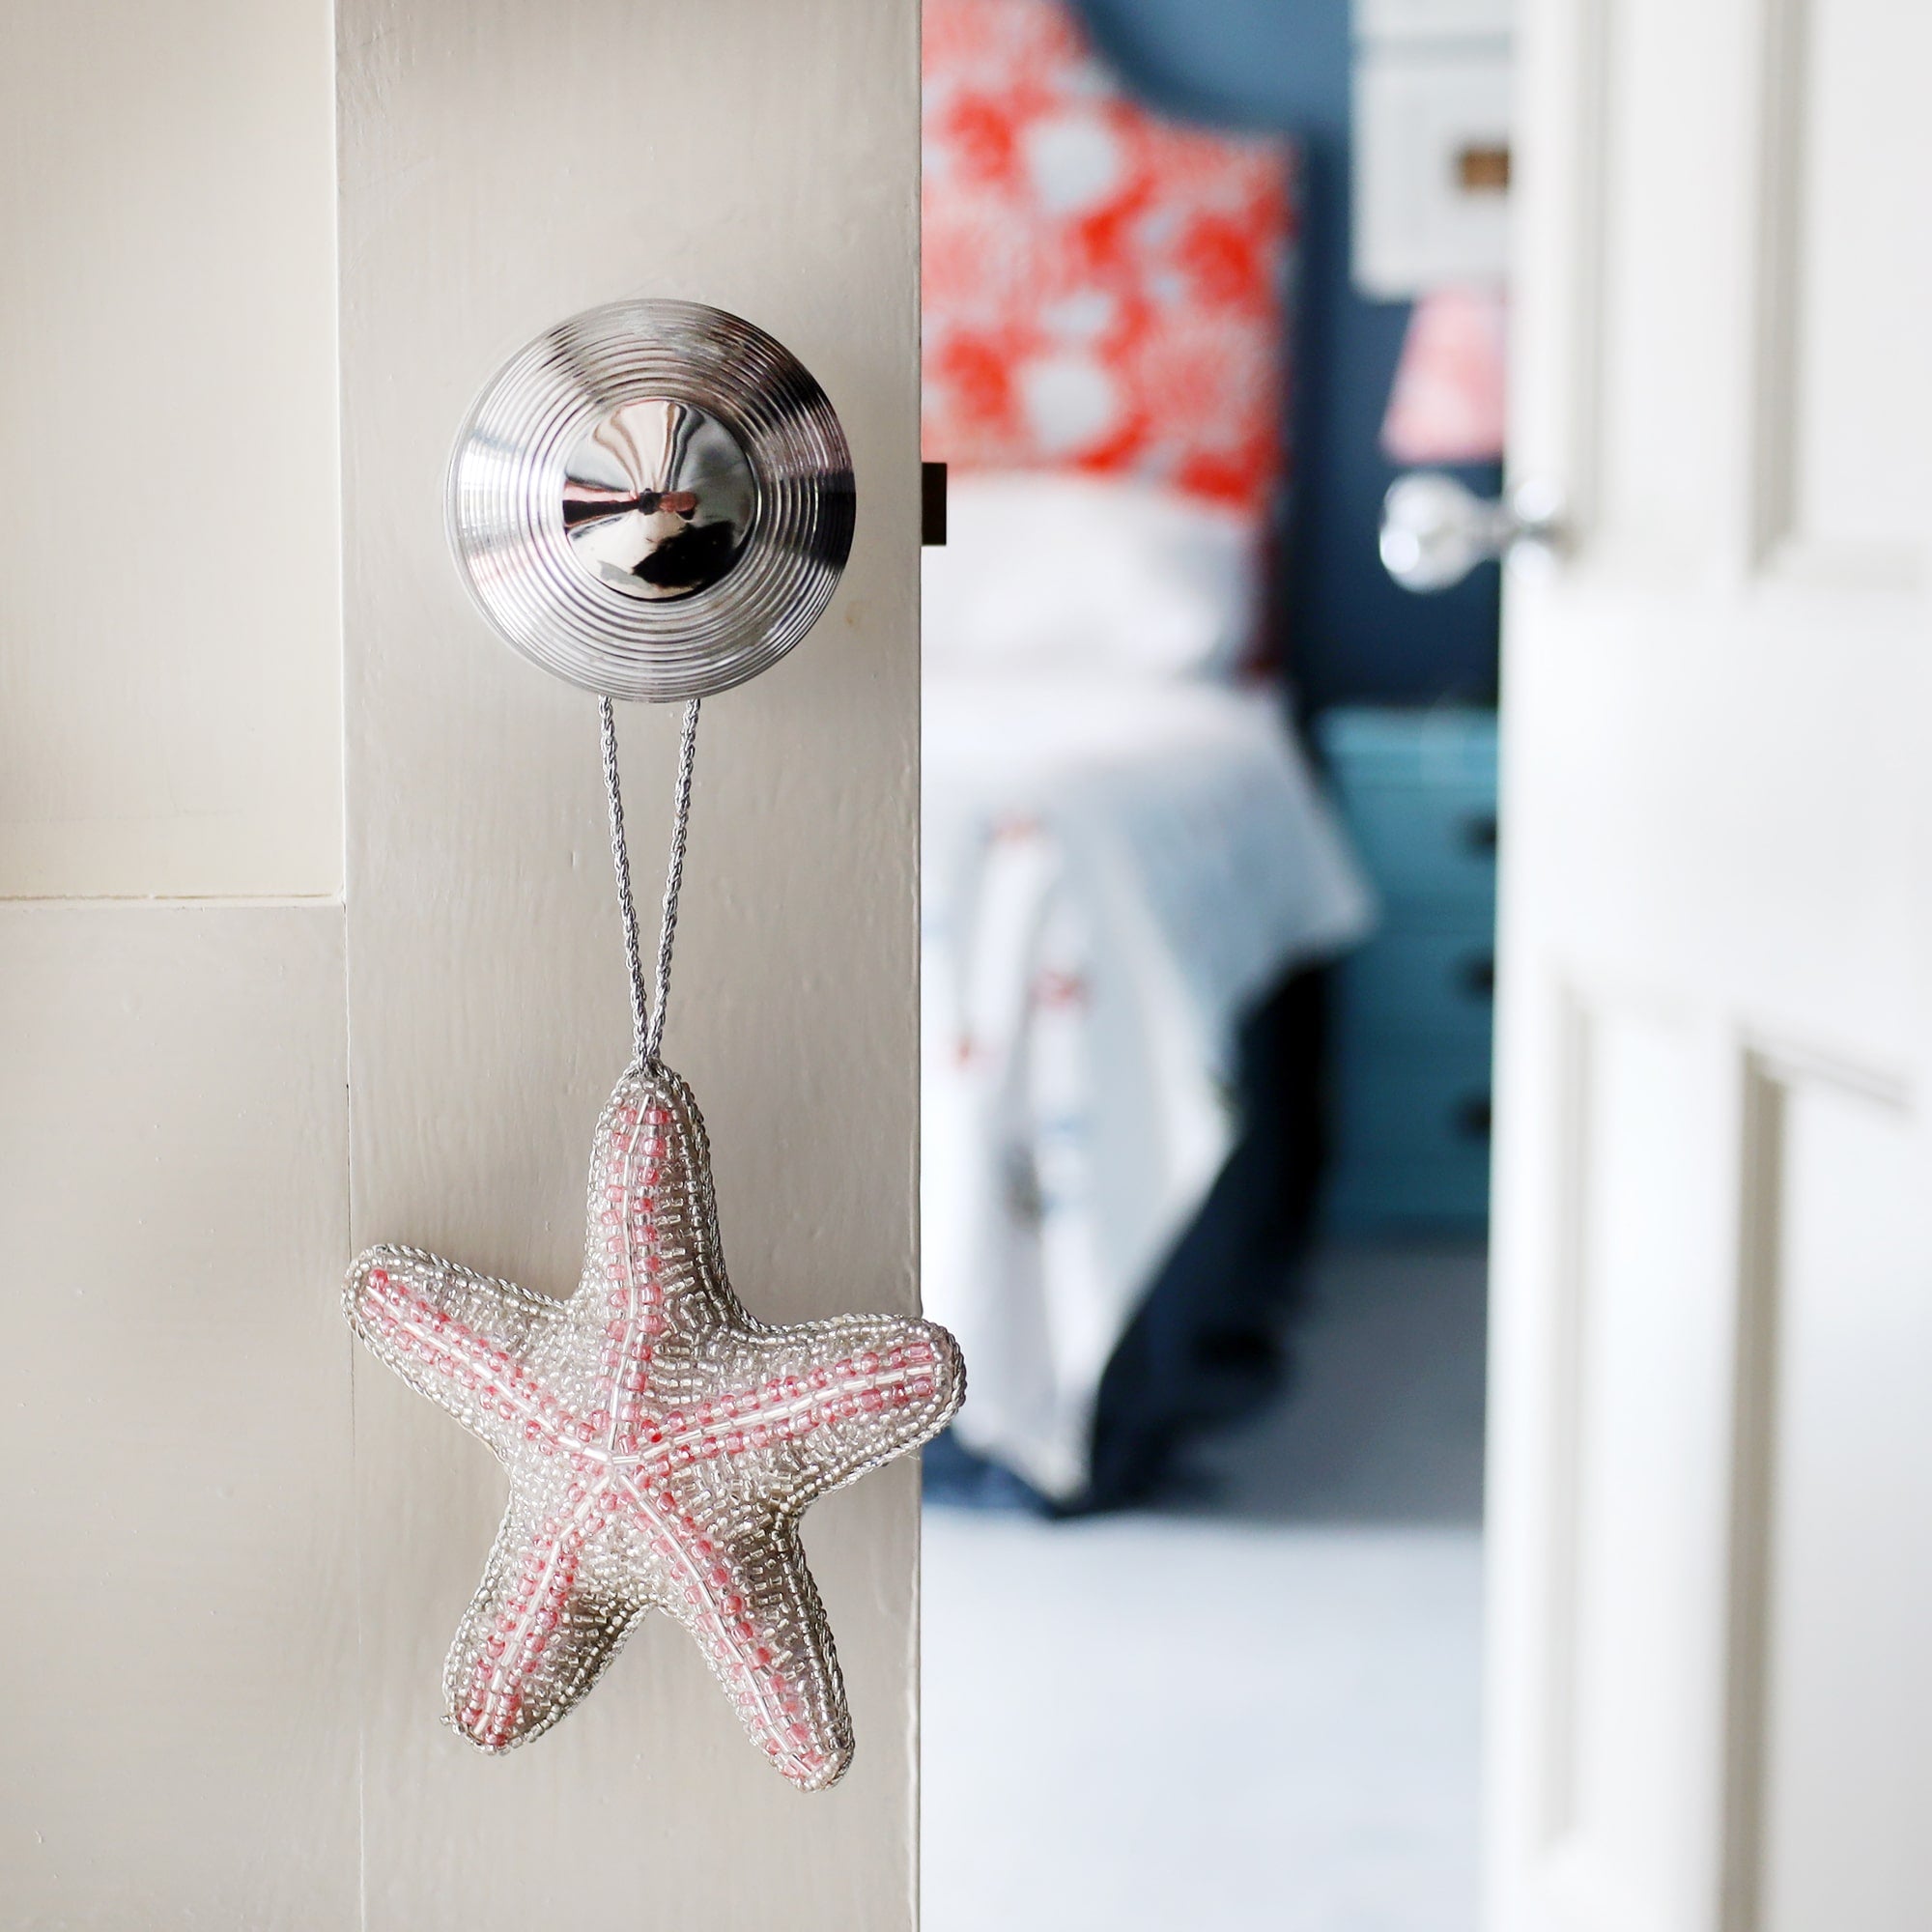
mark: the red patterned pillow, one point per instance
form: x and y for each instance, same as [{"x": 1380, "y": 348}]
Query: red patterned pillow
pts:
[{"x": 1103, "y": 290}]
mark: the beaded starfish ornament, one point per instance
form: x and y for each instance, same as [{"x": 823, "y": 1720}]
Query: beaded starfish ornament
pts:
[{"x": 662, "y": 1442}]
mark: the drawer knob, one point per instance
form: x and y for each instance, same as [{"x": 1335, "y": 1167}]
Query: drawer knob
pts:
[{"x": 1479, "y": 832}]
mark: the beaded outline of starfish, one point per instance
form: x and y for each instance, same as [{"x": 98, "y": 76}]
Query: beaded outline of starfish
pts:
[{"x": 661, "y": 1445}]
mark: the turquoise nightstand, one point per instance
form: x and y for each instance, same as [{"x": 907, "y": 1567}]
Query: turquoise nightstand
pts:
[{"x": 1410, "y": 1036}]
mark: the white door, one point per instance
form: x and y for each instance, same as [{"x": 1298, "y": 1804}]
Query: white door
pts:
[
  {"x": 308, "y": 938},
  {"x": 1712, "y": 1455}
]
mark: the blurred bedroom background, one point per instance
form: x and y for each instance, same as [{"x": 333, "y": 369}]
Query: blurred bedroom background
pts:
[{"x": 1211, "y": 834}]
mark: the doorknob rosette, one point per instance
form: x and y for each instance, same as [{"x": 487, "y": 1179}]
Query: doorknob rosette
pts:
[{"x": 653, "y": 499}]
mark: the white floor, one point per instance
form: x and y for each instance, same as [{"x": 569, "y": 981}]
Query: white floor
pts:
[{"x": 1254, "y": 1709}]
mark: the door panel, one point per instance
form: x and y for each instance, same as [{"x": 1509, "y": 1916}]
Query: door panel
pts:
[
  {"x": 1712, "y": 1256},
  {"x": 170, "y": 683},
  {"x": 1847, "y": 291},
  {"x": 503, "y": 166},
  {"x": 1830, "y": 1823},
  {"x": 1637, "y": 1513},
  {"x": 1649, "y": 198},
  {"x": 179, "y": 1743}
]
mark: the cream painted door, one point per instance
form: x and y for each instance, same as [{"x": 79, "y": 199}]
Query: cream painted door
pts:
[
  {"x": 307, "y": 937},
  {"x": 1712, "y": 1455}
]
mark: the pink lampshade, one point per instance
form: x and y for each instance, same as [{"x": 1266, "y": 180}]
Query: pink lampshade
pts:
[{"x": 1449, "y": 400}]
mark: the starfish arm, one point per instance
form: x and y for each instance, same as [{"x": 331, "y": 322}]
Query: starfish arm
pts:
[
  {"x": 546, "y": 1621},
  {"x": 456, "y": 1336},
  {"x": 747, "y": 1594},
  {"x": 849, "y": 1394},
  {"x": 652, "y": 1275}
]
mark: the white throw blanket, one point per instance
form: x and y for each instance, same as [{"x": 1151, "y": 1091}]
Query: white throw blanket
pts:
[{"x": 1115, "y": 871}]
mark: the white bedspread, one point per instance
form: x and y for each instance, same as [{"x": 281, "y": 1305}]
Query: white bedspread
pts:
[{"x": 1114, "y": 872}]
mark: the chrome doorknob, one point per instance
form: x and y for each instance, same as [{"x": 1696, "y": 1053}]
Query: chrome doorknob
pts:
[
  {"x": 1435, "y": 530},
  {"x": 652, "y": 499}
]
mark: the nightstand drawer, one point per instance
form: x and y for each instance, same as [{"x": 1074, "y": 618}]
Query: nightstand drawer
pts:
[
  {"x": 1418, "y": 792},
  {"x": 1411, "y": 1139},
  {"x": 1415, "y": 983},
  {"x": 1433, "y": 847},
  {"x": 1419, "y": 1102}
]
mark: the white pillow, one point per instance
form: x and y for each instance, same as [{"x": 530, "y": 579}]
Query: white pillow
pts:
[{"x": 1045, "y": 572}]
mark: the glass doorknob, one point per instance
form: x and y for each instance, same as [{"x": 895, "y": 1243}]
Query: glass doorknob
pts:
[{"x": 1435, "y": 530}]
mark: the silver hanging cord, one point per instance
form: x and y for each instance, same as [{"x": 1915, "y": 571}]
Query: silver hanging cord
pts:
[
  {"x": 686, "y": 758},
  {"x": 647, "y": 1016}
]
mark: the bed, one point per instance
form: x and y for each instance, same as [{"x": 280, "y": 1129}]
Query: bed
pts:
[{"x": 1124, "y": 852}]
